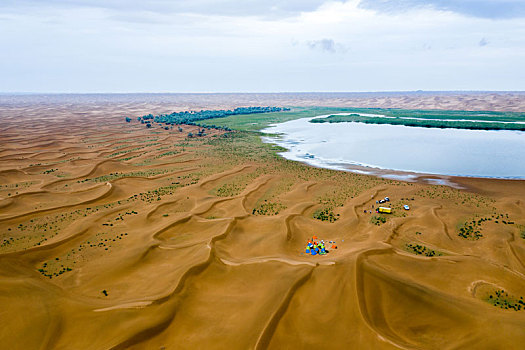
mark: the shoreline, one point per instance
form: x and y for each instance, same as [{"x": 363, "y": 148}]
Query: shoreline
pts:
[
  {"x": 272, "y": 137},
  {"x": 467, "y": 183}
]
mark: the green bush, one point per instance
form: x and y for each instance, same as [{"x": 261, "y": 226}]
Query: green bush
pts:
[
  {"x": 378, "y": 220},
  {"x": 325, "y": 215}
]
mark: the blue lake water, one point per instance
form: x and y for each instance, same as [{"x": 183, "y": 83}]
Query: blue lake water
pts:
[{"x": 455, "y": 152}]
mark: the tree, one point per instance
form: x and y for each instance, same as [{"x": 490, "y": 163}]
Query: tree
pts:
[
  {"x": 190, "y": 117},
  {"x": 128, "y": 119}
]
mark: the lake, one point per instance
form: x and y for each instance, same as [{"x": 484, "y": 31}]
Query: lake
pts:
[{"x": 363, "y": 147}]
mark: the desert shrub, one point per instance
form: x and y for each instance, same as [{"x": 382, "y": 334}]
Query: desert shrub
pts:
[
  {"x": 470, "y": 230},
  {"x": 268, "y": 208},
  {"x": 378, "y": 220},
  {"x": 325, "y": 215},
  {"x": 422, "y": 250},
  {"x": 500, "y": 298}
]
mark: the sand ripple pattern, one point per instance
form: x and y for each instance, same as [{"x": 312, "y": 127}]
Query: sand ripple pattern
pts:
[{"x": 118, "y": 237}]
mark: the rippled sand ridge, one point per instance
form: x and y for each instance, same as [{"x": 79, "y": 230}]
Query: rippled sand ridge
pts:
[{"x": 114, "y": 236}]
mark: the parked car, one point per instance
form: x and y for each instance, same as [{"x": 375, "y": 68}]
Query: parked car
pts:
[{"x": 406, "y": 207}]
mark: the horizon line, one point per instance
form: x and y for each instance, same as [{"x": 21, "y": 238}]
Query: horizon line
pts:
[{"x": 18, "y": 93}]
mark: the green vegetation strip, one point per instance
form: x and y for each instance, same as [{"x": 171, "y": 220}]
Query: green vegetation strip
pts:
[
  {"x": 503, "y": 300},
  {"x": 422, "y": 250},
  {"x": 190, "y": 117},
  {"x": 268, "y": 208},
  {"x": 113, "y": 176},
  {"x": 251, "y": 122},
  {"x": 432, "y": 119}
]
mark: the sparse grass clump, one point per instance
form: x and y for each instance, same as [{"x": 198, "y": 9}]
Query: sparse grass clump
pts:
[
  {"x": 502, "y": 299},
  {"x": 522, "y": 231},
  {"x": 118, "y": 175},
  {"x": 228, "y": 190},
  {"x": 471, "y": 230},
  {"x": 268, "y": 208},
  {"x": 49, "y": 171},
  {"x": 236, "y": 185},
  {"x": 378, "y": 220},
  {"x": 51, "y": 269},
  {"x": 158, "y": 193},
  {"x": 326, "y": 214},
  {"x": 419, "y": 249},
  {"x": 165, "y": 154}
]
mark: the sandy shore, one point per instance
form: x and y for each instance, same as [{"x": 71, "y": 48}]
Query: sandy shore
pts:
[{"x": 114, "y": 236}]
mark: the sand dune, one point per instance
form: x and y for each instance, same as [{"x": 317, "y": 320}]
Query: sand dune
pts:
[{"x": 180, "y": 244}]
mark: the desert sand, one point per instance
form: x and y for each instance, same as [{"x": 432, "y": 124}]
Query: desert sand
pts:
[{"x": 114, "y": 236}]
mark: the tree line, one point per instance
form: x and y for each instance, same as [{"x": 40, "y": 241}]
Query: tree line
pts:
[{"x": 190, "y": 117}]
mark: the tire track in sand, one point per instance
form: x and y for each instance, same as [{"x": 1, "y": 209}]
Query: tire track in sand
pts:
[{"x": 443, "y": 225}]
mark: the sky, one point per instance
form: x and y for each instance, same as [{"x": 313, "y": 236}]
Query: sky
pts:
[{"x": 261, "y": 45}]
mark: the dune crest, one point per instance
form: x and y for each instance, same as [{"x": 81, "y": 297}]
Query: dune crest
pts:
[{"x": 114, "y": 236}]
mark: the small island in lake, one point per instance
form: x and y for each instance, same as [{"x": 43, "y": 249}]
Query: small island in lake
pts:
[{"x": 472, "y": 120}]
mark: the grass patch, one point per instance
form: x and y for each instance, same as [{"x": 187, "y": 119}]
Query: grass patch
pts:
[
  {"x": 165, "y": 154},
  {"x": 256, "y": 122},
  {"x": 378, "y": 220},
  {"x": 325, "y": 214},
  {"x": 268, "y": 208},
  {"x": 228, "y": 190},
  {"x": 471, "y": 230},
  {"x": 118, "y": 175},
  {"x": 419, "y": 249},
  {"x": 502, "y": 299},
  {"x": 236, "y": 185}
]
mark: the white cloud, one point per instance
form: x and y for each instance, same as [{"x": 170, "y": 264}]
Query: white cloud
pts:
[
  {"x": 259, "y": 8},
  {"x": 494, "y": 9},
  {"x": 483, "y": 42},
  {"x": 97, "y": 48},
  {"x": 327, "y": 45}
]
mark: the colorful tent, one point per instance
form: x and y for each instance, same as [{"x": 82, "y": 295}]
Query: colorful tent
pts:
[{"x": 315, "y": 247}]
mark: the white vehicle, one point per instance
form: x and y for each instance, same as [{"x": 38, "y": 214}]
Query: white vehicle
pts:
[{"x": 406, "y": 207}]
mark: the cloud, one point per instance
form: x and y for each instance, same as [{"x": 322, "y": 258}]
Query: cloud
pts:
[
  {"x": 494, "y": 9},
  {"x": 483, "y": 42},
  {"x": 259, "y": 8},
  {"x": 205, "y": 45},
  {"x": 326, "y": 45}
]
